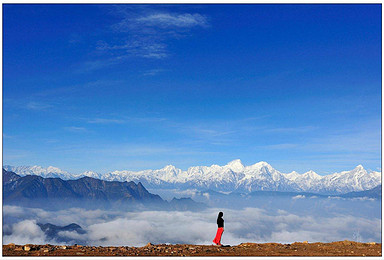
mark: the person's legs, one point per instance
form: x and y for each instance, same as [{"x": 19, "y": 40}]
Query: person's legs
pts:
[
  {"x": 218, "y": 236},
  {"x": 215, "y": 239}
]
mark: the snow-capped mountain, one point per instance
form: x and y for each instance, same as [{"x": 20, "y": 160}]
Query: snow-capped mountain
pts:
[
  {"x": 233, "y": 176},
  {"x": 50, "y": 172}
]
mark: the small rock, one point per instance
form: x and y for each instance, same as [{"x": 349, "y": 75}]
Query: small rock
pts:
[
  {"x": 305, "y": 242},
  {"x": 63, "y": 247},
  {"x": 346, "y": 242},
  {"x": 148, "y": 245},
  {"x": 371, "y": 243},
  {"x": 46, "y": 250},
  {"x": 27, "y": 248}
]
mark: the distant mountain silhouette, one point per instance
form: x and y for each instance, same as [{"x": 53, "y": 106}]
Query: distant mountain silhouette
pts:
[
  {"x": 372, "y": 193},
  {"x": 86, "y": 192},
  {"x": 52, "y": 231},
  {"x": 32, "y": 186},
  {"x": 186, "y": 204}
]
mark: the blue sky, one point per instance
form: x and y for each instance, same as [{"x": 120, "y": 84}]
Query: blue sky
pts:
[{"x": 113, "y": 87}]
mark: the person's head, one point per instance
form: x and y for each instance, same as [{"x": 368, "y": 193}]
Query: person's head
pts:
[{"x": 220, "y": 214}]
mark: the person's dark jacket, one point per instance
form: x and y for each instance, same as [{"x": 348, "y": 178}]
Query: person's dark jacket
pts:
[{"x": 220, "y": 220}]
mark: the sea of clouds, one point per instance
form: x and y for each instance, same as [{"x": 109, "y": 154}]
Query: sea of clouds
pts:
[{"x": 250, "y": 224}]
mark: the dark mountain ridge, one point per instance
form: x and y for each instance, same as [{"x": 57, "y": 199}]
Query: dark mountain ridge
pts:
[
  {"x": 372, "y": 193},
  {"x": 32, "y": 186},
  {"x": 86, "y": 192},
  {"x": 53, "y": 231}
]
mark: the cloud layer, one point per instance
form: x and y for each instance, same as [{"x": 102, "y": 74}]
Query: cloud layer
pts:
[{"x": 139, "y": 228}]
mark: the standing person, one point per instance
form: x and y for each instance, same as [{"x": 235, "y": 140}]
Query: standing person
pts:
[{"x": 220, "y": 229}]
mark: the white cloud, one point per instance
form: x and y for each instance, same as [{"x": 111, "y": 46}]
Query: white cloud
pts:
[
  {"x": 25, "y": 232},
  {"x": 13, "y": 210},
  {"x": 76, "y": 129},
  {"x": 364, "y": 198},
  {"x": 173, "y": 20},
  {"x": 139, "y": 228},
  {"x": 140, "y": 47},
  {"x": 106, "y": 121},
  {"x": 145, "y": 33},
  {"x": 152, "y": 72},
  {"x": 33, "y": 105},
  {"x": 298, "y": 197},
  {"x": 92, "y": 65},
  {"x": 299, "y": 129},
  {"x": 281, "y": 146}
]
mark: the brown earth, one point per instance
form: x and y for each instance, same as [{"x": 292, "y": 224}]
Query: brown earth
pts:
[{"x": 341, "y": 248}]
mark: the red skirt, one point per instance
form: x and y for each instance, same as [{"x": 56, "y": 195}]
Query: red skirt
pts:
[{"x": 217, "y": 239}]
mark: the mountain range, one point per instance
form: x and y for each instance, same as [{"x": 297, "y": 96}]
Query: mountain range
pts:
[
  {"x": 233, "y": 176},
  {"x": 85, "y": 192}
]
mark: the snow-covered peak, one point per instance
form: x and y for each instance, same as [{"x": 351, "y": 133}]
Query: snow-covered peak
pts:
[
  {"x": 168, "y": 174},
  {"x": 311, "y": 174},
  {"x": 169, "y": 168},
  {"x": 259, "y": 166},
  {"x": 235, "y": 165},
  {"x": 359, "y": 168},
  {"x": 292, "y": 175},
  {"x": 90, "y": 174},
  {"x": 49, "y": 172},
  {"x": 52, "y": 169}
]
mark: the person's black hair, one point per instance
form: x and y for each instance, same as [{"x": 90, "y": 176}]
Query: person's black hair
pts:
[{"x": 220, "y": 220}]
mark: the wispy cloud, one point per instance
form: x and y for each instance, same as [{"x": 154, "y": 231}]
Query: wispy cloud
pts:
[
  {"x": 124, "y": 120},
  {"x": 106, "y": 121},
  {"x": 6, "y": 136},
  {"x": 281, "y": 146},
  {"x": 298, "y": 129},
  {"x": 152, "y": 72},
  {"x": 166, "y": 20},
  {"x": 33, "y": 105},
  {"x": 76, "y": 129},
  {"x": 364, "y": 140},
  {"x": 145, "y": 33},
  {"x": 16, "y": 154},
  {"x": 144, "y": 47},
  {"x": 92, "y": 65}
]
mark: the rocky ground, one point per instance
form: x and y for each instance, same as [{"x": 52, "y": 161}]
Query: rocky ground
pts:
[{"x": 341, "y": 248}]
